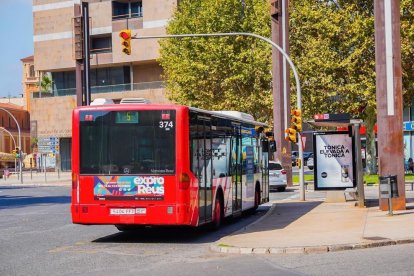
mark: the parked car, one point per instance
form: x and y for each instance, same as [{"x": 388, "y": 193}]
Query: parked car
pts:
[
  {"x": 277, "y": 177},
  {"x": 310, "y": 163},
  {"x": 295, "y": 156},
  {"x": 306, "y": 156}
]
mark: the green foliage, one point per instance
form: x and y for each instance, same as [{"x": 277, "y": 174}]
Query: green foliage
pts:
[
  {"x": 332, "y": 43},
  {"x": 46, "y": 84},
  {"x": 225, "y": 73},
  {"x": 407, "y": 50}
]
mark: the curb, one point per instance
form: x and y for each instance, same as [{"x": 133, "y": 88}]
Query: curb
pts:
[{"x": 306, "y": 249}]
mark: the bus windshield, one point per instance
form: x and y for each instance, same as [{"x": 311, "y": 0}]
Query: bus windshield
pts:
[{"x": 127, "y": 142}]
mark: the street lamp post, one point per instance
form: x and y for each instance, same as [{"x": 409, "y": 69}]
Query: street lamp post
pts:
[
  {"x": 292, "y": 66},
  {"x": 20, "y": 142}
]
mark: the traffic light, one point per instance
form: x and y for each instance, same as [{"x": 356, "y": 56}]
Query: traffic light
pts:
[
  {"x": 296, "y": 120},
  {"x": 125, "y": 36},
  {"x": 16, "y": 152},
  {"x": 291, "y": 135}
]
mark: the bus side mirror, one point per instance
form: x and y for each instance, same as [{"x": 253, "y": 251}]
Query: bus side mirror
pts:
[{"x": 273, "y": 146}]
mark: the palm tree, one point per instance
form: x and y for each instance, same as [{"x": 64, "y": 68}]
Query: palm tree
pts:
[{"x": 46, "y": 84}]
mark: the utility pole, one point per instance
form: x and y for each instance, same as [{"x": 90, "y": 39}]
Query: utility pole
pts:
[
  {"x": 280, "y": 74},
  {"x": 78, "y": 52},
  {"x": 82, "y": 53},
  {"x": 86, "y": 56},
  {"x": 389, "y": 96}
]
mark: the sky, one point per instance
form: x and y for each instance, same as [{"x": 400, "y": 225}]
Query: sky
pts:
[{"x": 16, "y": 29}]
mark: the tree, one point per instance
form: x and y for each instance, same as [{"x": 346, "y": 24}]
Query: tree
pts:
[
  {"x": 332, "y": 41},
  {"x": 46, "y": 84},
  {"x": 226, "y": 73},
  {"x": 407, "y": 50}
]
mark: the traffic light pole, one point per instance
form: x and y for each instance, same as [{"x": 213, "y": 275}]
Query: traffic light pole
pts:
[
  {"x": 86, "y": 56},
  {"x": 292, "y": 66}
]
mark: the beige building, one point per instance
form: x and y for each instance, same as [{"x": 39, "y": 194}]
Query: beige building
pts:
[
  {"x": 30, "y": 81},
  {"x": 114, "y": 74}
]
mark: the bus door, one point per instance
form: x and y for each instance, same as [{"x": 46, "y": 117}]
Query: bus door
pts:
[
  {"x": 236, "y": 171},
  {"x": 205, "y": 169}
]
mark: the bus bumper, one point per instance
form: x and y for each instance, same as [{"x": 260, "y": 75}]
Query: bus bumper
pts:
[{"x": 138, "y": 215}]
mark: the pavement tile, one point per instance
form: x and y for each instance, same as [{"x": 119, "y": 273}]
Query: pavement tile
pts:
[
  {"x": 295, "y": 250},
  {"x": 246, "y": 250},
  {"x": 316, "y": 249},
  {"x": 277, "y": 251},
  {"x": 260, "y": 251}
]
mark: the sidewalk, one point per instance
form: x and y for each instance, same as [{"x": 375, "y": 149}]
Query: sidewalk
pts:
[
  {"x": 316, "y": 227},
  {"x": 38, "y": 179}
]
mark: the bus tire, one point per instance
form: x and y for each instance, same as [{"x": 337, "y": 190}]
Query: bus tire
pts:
[
  {"x": 128, "y": 228},
  {"x": 256, "y": 197},
  {"x": 218, "y": 213}
]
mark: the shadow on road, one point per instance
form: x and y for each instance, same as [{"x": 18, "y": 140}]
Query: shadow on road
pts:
[
  {"x": 183, "y": 234},
  {"x": 9, "y": 202},
  {"x": 15, "y": 187},
  {"x": 282, "y": 215}
]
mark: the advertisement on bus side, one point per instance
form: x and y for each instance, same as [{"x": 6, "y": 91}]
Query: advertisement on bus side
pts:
[{"x": 129, "y": 187}]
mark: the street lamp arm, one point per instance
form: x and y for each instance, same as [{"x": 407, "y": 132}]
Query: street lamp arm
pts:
[
  {"x": 298, "y": 91},
  {"x": 20, "y": 141},
  {"x": 17, "y": 124},
  {"x": 299, "y": 95},
  {"x": 11, "y": 135}
]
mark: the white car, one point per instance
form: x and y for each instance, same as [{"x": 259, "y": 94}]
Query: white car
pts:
[
  {"x": 310, "y": 163},
  {"x": 277, "y": 176}
]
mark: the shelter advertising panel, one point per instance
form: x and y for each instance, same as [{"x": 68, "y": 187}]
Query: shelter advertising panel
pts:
[{"x": 334, "y": 160}]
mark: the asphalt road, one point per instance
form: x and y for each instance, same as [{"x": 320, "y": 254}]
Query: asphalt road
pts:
[{"x": 38, "y": 238}]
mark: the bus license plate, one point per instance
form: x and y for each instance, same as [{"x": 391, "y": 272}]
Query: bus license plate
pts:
[
  {"x": 141, "y": 211},
  {"x": 123, "y": 211},
  {"x": 128, "y": 211}
]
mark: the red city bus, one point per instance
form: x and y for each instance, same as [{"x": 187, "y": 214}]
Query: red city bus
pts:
[{"x": 165, "y": 165}]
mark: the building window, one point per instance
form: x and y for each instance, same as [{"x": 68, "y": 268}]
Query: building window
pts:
[
  {"x": 126, "y": 9},
  {"x": 31, "y": 71},
  {"x": 64, "y": 83},
  {"x": 112, "y": 79},
  {"x": 101, "y": 44},
  {"x": 103, "y": 80}
]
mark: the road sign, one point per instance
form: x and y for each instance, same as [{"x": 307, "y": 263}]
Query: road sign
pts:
[{"x": 48, "y": 145}]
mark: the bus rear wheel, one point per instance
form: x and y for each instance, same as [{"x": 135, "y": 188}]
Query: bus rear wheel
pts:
[
  {"x": 256, "y": 199},
  {"x": 128, "y": 228},
  {"x": 218, "y": 214}
]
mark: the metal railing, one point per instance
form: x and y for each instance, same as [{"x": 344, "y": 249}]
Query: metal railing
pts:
[
  {"x": 127, "y": 15},
  {"x": 102, "y": 89}
]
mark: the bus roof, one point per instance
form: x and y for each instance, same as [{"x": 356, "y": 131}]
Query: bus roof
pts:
[{"x": 234, "y": 115}]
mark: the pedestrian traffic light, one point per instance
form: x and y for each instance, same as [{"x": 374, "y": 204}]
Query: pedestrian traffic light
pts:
[
  {"x": 125, "y": 36},
  {"x": 296, "y": 120},
  {"x": 291, "y": 135}
]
